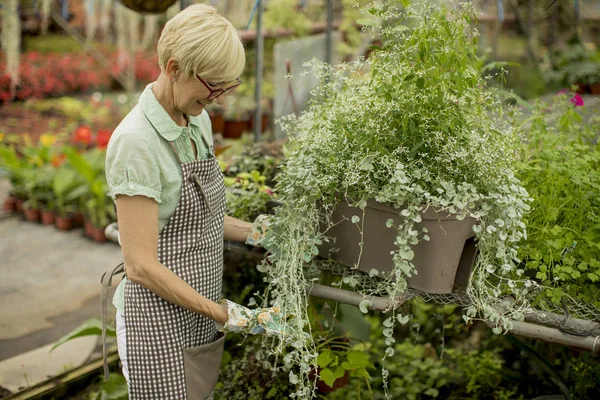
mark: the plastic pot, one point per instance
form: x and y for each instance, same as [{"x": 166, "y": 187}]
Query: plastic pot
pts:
[
  {"x": 97, "y": 234},
  {"x": 235, "y": 129},
  {"x": 10, "y": 204},
  {"x": 32, "y": 214},
  {"x": 48, "y": 217},
  {"x": 444, "y": 261},
  {"x": 218, "y": 123},
  {"x": 63, "y": 223}
]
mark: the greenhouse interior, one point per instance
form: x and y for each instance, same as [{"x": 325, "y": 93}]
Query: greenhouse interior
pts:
[{"x": 300, "y": 199}]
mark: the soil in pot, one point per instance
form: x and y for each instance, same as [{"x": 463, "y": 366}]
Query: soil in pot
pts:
[
  {"x": 63, "y": 223},
  {"x": 32, "y": 214},
  {"x": 10, "y": 204},
  {"x": 47, "y": 217}
]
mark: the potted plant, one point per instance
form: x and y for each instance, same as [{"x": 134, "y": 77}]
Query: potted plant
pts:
[
  {"x": 15, "y": 167},
  {"x": 67, "y": 188},
  {"x": 414, "y": 129},
  {"x": 574, "y": 65},
  {"x": 247, "y": 195},
  {"x": 41, "y": 192},
  {"x": 237, "y": 111},
  {"x": 99, "y": 210}
]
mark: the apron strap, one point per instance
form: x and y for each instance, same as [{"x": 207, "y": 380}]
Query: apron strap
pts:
[{"x": 106, "y": 280}]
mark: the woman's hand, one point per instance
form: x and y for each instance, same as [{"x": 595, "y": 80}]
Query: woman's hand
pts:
[
  {"x": 265, "y": 321},
  {"x": 258, "y": 230}
]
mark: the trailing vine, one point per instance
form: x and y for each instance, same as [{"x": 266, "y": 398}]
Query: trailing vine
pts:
[{"x": 415, "y": 126}]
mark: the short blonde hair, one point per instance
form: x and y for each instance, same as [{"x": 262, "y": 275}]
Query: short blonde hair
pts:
[{"x": 203, "y": 43}]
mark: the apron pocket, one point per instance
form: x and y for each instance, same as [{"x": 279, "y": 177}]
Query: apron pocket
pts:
[{"x": 202, "y": 365}]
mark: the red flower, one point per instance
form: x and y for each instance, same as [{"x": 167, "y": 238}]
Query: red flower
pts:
[
  {"x": 83, "y": 135},
  {"x": 102, "y": 138},
  {"x": 57, "y": 160}
]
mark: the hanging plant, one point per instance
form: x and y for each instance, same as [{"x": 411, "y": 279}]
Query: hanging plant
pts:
[{"x": 414, "y": 128}]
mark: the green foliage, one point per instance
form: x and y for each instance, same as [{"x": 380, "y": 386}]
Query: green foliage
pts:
[
  {"x": 97, "y": 204},
  {"x": 586, "y": 374},
  {"x": 91, "y": 327},
  {"x": 113, "y": 389},
  {"x": 248, "y": 196},
  {"x": 573, "y": 64},
  {"x": 29, "y": 171},
  {"x": 248, "y": 376},
  {"x": 52, "y": 43},
  {"x": 285, "y": 14},
  {"x": 561, "y": 171},
  {"x": 414, "y": 127}
]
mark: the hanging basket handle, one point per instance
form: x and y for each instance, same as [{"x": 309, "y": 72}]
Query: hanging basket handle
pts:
[{"x": 148, "y": 6}]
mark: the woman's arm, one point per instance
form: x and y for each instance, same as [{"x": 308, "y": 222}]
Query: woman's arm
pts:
[
  {"x": 138, "y": 230},
  {"x": 236, "y": 229}
]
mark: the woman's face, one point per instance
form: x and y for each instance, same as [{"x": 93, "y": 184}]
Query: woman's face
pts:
[{"x": 192, "y": 94}]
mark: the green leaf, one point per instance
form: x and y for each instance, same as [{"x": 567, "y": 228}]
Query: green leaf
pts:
[
  {"x": 421, "y": 83},
  {"x": 364, "y": 306},
  {"x": 355, "y": 219},
  {"x": 91, "y": 327},
  {"x": 407, "y": 254},
  {"x": 358, "y": 358},
  {"x": 324, "y": 358},
  {"x": 339, "y": 372},
  {"x": 115, "y": 388},
  {"x": 327, "y": 376},
  {"x": 389, "y": 223},
  {"x": 416, "y": 147}
]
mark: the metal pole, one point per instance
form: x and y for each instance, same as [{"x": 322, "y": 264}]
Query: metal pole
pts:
[
  {"x": 553, "y": 335},
  {"x": 328, "y": 40},
  {"x": 259, "y": 50},
  {"x": 384, "y": 303}
]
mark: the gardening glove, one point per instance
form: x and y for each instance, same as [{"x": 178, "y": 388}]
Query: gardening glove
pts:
[
  {"x": 265, "y": 321},
  {"x": 259, "y": 230}
]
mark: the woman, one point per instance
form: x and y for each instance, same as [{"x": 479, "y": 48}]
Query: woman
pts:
[{"x": 169, "y": 193}]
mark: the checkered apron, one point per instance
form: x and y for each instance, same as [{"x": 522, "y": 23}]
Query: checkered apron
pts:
[{"x": 191, "y": 245}]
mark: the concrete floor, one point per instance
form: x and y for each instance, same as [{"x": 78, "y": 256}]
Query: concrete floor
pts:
[{"x": 49, "y": 281}]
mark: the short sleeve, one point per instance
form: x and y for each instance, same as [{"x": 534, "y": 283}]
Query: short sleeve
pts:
[{"x": 132, "y": 168}]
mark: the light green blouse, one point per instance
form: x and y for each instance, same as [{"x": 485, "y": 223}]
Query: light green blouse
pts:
[{"x": 139, "y": 160}]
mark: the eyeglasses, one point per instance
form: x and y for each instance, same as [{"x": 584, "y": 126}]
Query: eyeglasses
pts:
[{"x": 214, "y": 93}]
